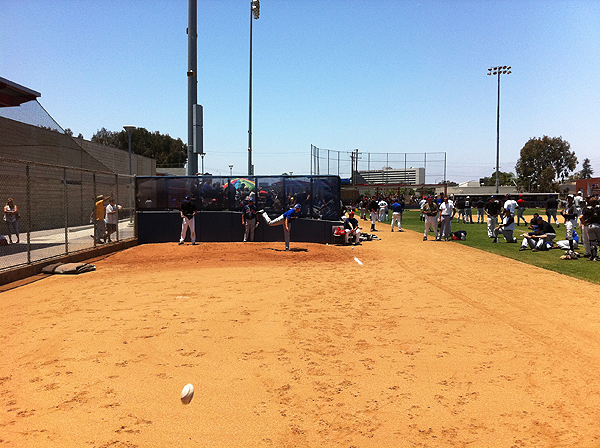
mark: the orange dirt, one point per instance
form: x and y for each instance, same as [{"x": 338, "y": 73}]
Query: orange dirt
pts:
[{"x": 425, "y": 344}]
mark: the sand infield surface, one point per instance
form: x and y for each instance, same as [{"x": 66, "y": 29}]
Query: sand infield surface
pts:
[{"x": 423, "y": 345}]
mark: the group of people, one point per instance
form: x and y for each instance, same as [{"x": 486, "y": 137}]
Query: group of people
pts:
[
  {"x": 376, "y": 209},
  {"x": 250, "y": 220},
  {"x": 105, "y": 218}
]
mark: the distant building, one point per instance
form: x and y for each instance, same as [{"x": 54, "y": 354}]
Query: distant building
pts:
[{"x": 387, "y": 175}]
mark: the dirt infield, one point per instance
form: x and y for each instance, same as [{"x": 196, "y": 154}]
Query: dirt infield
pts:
[{"x": 423, "y": 345}]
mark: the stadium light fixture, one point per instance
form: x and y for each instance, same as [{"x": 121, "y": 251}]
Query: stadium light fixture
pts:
[
  {"x": 500, "y": 70},
  {"x": 230, "y": 170},
  {"x": 254, "y": 12}
]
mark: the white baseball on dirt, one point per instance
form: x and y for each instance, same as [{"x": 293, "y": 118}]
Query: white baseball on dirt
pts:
[{"x": 187, "y": 394}]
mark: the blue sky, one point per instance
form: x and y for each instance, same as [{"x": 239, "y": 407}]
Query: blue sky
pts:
[{"x": 377, "y": 75}]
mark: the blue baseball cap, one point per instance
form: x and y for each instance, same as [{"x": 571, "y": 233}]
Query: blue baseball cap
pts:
[
  {"x": 297, "y": 206},
  {"x": 250, "y": 199},
  {"x": 187, "y": 198}
]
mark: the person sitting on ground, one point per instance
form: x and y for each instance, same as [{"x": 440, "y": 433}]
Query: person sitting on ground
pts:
[
  {"x": 506, "y": 228},
  {"x": 539, "y": 240},
  {"x": 533, "y": 221},
  {"x": 351, "y": 228}
]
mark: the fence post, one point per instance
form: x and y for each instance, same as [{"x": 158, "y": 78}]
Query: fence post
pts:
[
  {"x": 28, "y": 208},
  {"x": 66, "y": 210},
  {"x": 117, "y": 204}
]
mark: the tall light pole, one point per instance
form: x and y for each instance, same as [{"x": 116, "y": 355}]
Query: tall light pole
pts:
[
  {"x": 504, "y": 70},
  {"x": 129, "y": 130},
  {"x": 254, "y": 13},
  {"x": 192, "y": 162},
  {"x": 230, "y": 170}
]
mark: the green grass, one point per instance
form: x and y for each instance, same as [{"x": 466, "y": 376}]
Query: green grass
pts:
[{"x": 478, "y": 239}]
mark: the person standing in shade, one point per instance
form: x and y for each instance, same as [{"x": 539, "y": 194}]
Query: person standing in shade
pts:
[
  {"x": 492, "y": 210},
  {"x": 397, "y": 210},
  {"x": 249, "y": 220},
  {"x": 188, "y": 220},
  {"x": 551, "y": 209},
  {"x": 11, "y": 216},
  {"x": 285, "y": 220}
]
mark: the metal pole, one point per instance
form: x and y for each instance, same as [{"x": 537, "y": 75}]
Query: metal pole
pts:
[
  {"x": 250, "y": 104},
  {"x": 504, "y": 70},
  {"x": 254, "y": 12},
  {"x": 498, "y": 140},
  {"x": 130, "y": 166},
  {"x": 192, "y": 162}
]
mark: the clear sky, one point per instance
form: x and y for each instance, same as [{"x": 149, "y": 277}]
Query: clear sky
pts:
[{"x": 398, "y": 76}]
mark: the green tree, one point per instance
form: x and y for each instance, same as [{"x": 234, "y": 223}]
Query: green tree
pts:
[
  {"x": 586, "y": 170},
  {"x": 164, "y": 148},
  {"x": 504, "y": 178},
  {"x": 542, "y": 162}
]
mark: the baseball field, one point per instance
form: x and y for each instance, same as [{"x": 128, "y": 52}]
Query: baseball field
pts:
[{"x": 395, "y": 343}]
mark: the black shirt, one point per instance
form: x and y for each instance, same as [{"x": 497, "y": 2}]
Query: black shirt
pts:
[
  {"x": 551, "y": 203},
  {"x": 492, "y": 208},
  {"x": 188, "y": 209},
  {"x": 546, "y": 228}
]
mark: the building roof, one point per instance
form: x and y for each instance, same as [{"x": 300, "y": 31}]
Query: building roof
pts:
[{"x": 13, "y": 94}]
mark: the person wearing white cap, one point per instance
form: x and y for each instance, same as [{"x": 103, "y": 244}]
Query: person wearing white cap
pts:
[
  {"x": 570, "y": 216},
  {"x": 285, "y": 220},
  {"x": 188, "y": 217},
  {"x": 249, "y": 220}
]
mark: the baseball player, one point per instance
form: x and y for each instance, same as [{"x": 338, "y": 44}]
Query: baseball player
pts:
[
  {"x": 447, "y": 212},
  {"x": 397, "y": 210},
  {"x": 188, "y": 216},
  {"x": 430, "y": 210},
  {"x": 492, "y": 210},
  {"x": 352, "y": 229},
  {"x": 285, "y": 220},
  {"x": 374, "y": 209},
  {"x": 249, "y": 220},
  {"x": 570, "y": 215},
  {"x": 521, "y": 210},
  {"x": 506, "y": 228},
  {"x": 591, "y": 219}
]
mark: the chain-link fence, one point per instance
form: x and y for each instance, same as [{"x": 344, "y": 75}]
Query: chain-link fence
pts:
[
  {"x": 380, "y": 168},
  {"x": 55, "y": 210}
]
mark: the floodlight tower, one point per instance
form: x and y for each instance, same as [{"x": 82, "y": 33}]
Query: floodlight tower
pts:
[
  {"x": 192, "y": 161},
  {"x": 503, "y": 70},
  {"x": 254, "y": 12}
]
